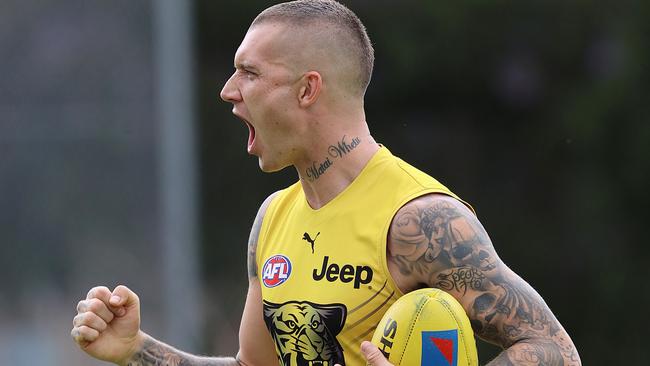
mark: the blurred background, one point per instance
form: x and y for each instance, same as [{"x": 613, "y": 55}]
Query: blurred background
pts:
[{"x": 120, "y": 164}]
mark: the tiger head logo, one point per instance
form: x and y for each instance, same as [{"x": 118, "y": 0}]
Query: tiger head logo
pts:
[{"x": 305, "y": 333}]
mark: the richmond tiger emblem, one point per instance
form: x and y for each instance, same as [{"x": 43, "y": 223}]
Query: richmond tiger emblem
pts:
[{"x": 305, "y": 333}]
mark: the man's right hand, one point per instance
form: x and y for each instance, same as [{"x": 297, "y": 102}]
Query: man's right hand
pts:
[{"x": 107, "y": 325}]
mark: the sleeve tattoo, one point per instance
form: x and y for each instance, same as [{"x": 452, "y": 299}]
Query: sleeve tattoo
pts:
[
  {"x": 155, "y": 353},
  {"x": 440, "y": 243}
]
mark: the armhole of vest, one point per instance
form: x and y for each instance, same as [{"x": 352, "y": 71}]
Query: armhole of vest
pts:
[
  {"x": 383, "y": 249},
  {"x": 261, "y": 240},
  {"x": 446, "y": 191}
]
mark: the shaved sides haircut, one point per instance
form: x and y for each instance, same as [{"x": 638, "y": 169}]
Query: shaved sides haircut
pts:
[{"x": 350, "y": 33}]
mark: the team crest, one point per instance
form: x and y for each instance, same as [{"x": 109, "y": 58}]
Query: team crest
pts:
[
  {"x": 276, "y": 271},
  {"x": 440, "y": 348},
  {"x": 305, "y": 333}
]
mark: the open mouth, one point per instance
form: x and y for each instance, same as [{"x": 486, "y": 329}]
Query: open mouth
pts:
[
  {"x": 251, "y": 136},
  {"x": 251, "y": 133}
]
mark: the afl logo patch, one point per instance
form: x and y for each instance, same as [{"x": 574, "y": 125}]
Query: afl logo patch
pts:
[{"x": 276, "y": 271}]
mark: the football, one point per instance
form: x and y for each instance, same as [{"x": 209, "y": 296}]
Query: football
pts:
[{"x": 426, "y": 327}]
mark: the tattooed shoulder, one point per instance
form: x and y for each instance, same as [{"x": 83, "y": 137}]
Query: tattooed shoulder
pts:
[
  {"x": 436, "y": 232},
  {"x": 436, "y": 241},
  {"x": 255, "y": 234}
]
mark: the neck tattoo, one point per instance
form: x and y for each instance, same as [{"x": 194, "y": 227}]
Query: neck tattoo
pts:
[{"x": 334, "y": 152}]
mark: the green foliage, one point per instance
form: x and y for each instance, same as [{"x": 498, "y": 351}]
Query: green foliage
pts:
[{"x": 537, "y": 112}]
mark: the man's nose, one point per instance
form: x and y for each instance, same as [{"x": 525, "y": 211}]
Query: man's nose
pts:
[{"x": 230, "y": 92}]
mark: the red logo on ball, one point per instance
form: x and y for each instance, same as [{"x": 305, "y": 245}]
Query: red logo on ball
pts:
[{"x": 276, "y": 271}]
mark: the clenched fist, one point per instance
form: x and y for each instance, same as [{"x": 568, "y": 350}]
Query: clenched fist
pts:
[{"x": 107, "y": 324}]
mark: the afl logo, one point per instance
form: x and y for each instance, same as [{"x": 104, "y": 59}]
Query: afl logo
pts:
[{"x": 276, "y": 271}]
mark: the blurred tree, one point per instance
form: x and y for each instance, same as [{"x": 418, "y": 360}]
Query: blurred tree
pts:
[{"x": 536, "y": 112}]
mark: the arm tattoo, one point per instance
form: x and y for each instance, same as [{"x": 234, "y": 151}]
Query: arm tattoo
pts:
[
  {"x": 528, "y": 353},
  {"x": 255, "y": 236},
  {"x": 154, "y": 353},
  {"x": 252, "y": 246},
  {"x": 437, "y": 242}
]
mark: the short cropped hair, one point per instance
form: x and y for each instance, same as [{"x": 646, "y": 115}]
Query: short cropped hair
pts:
[{"x": 331, "y": 13}]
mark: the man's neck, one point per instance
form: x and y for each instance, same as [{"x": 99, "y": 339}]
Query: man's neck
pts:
[{"x": 334, "y": 165}]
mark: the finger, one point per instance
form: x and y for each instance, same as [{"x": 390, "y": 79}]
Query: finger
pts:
[
  {"x": 104, "y": 294},
  {"x": 100, "y": 292},
  {"x": 84, "y": 334},
  {"x": 98, "y": 307},
  {"x": 123, "y": 296},
  {"x": 373, "y": 355},
  {"x": 90, "y": 320}
]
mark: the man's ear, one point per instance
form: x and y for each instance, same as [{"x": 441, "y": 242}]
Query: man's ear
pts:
[{"x": 312, "y": 84}]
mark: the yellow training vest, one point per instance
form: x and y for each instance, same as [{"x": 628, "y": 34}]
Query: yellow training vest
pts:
[{"x": 325, "y": 281}]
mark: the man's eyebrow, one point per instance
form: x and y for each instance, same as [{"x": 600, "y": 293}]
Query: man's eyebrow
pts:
[{"x": 244, "y": 65}]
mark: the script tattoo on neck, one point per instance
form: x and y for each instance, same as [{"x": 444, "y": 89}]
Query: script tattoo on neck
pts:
[
  {"x": 437, "y": 242},
  {"x": 334, "y": 152}
]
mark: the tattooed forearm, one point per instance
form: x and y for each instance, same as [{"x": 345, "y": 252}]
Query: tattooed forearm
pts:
[
  {"x": 155, "y": 353},
  {"x": 436, "y": 241},
  {"x": 528, "y": 353}
]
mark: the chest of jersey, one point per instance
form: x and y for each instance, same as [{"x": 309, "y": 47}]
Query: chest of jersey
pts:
[
  {"x": 323, "y": 285},
  {"x": 323, "y": 273}
]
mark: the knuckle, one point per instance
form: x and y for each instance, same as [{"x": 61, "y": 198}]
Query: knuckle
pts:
[
  {"x": 74, "y": 334},
  {"x": 97, "y": 290},
  {"x": 77, "y": 320},
  {"x": 81, "y": 306}
]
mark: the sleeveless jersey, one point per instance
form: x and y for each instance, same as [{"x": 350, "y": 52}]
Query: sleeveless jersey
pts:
[{"x": 324, "y": 277}]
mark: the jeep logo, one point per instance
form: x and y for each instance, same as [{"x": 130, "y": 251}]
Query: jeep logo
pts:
[{"x": 346, "y": 273}]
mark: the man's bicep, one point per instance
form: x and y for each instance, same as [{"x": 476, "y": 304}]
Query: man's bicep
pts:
[
  {"x": 441, "y": 243},
  {"x": 256, "y": 348}
]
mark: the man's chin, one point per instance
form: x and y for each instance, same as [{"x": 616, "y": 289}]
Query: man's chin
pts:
[{"x": 269, "y": 167}]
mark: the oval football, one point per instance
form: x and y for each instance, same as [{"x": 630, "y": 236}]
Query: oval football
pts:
[{"x": 426, "y": 327}]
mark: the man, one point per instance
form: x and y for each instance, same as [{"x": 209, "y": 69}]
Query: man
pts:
[{"x": 329, "y": 255}]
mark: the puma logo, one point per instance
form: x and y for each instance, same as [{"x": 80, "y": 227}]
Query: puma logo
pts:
[{"x": 311, "y": 241}]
